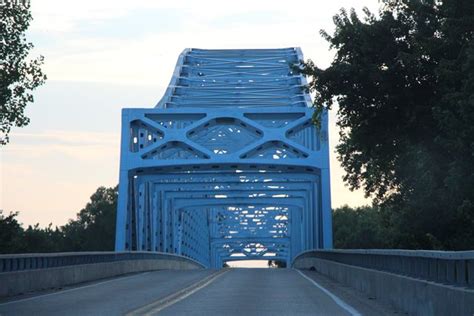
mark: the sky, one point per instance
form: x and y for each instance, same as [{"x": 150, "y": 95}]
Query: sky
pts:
[{"x": 102, "y": 56}]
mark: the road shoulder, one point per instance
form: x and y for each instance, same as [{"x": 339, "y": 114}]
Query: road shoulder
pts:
[{"x": 365, "y": 305}]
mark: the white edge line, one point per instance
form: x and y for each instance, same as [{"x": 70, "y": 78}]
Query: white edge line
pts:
[
  {"x": 336, "y": 299},
  {"x": 72, "y": 290}
]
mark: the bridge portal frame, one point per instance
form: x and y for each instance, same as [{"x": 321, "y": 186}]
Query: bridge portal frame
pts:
[{"x": 167, "y": 141}]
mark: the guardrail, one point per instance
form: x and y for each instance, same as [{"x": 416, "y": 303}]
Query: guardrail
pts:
[
  {"x": 25, "y": 273},
  {"x": 20, "y": 262},
  {"x": 445, "y": 267},
  {"x": 416, "y": 282}
]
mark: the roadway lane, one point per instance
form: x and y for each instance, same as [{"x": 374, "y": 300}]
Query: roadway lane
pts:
[
  {"x": 258, "y": 292},
  {"x": 111, "y": 297},
  {"x": 229, "y": 292}
]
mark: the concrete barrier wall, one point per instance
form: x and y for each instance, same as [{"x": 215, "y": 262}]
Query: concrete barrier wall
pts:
[
  {"x": 18, "y": 282},
  {"x": 414, "y": 296},
  {"x": 445, "y": 267}
]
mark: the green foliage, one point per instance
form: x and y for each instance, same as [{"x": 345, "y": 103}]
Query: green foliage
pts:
[
  {"x": 18, "y": 75},
  {"x": 403, "y": 82},
  {"x": 36, "y": 239},
  {"x": 92, "y": 230},
  {"x": 10, "y": 233},
  {"x": 94, "y": 227},
  {"x": 360, "y": 228}
]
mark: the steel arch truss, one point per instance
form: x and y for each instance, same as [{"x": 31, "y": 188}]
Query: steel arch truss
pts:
[{"x": 228, "y": 166}]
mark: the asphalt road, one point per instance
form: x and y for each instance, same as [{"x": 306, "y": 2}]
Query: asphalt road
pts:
[
  {"x": 207, "y": 292},
  {"x": 258, "y": 292}
]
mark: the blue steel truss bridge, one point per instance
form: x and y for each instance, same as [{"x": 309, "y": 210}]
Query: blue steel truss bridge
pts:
[{"x": 228, "y": 165}]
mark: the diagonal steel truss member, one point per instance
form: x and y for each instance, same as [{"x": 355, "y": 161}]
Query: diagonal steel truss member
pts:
[{"x": 228, "y": 165}]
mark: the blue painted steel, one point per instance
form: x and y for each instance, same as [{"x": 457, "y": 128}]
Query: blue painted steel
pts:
[{"x": 228, "y": 165}]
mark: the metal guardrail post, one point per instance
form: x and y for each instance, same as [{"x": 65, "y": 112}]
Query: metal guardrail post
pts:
[
  {"x": 432, "y": 267},
  {"x": 442, "y": 267},
  {"x": 450, "y": 271},
  {"x": 470, "y": 272},
  {"x": 461, "y": 272}
]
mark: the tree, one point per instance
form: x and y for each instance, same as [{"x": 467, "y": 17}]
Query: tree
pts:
[
  {"x": 18, "y": 75},
  {"x": 360, "y": 228},
  {"x": 404, "y": 85},
  {"x": 94, "y": 227},
  {"x": 10, "y": 233},
  {"x": 37, "y": 239},
  {"x": 92, "y": 230}
]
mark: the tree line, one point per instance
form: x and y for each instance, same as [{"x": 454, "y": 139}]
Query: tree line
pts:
[{"x": 92, "y": 230}]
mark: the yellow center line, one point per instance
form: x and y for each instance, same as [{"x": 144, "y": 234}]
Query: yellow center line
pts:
[{"x": 174, "y": 298}]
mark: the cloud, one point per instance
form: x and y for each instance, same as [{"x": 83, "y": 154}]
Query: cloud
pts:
[
  {"x": 62, "y": 17},
  {"x": 131, "y": 47},
  {"x": 72, "y": 145},
  {"x": 49, "y": 175},
  {"x": 138, "y": 41}
]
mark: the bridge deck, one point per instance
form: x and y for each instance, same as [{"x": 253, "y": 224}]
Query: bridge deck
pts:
[{"x": 235, "y": 292}]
